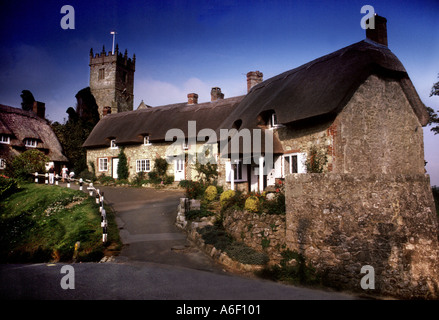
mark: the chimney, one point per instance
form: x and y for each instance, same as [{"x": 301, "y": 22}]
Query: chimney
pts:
[
  {"x": 216, "y": 94},
  {"x": 106, "y": 110},
  {"x": 192, "y": 98},
  {"x": 253, "y": 78},
  {"x": 379, "y": 33},
  {"x": 39, "y": 108}
]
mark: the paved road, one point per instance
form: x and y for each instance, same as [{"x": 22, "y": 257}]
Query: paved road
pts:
[
  {"x": 148, "y": 266},
  {"x": 146, "y": 218}
]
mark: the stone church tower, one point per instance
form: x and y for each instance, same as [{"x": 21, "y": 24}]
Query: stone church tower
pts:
[{"x": 112, "y": 81}]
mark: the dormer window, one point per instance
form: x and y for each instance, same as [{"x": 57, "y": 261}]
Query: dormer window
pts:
[
  {"x": 5, "y": 139},
  {"x": 273, "y": 121},
  {"x": 31, "y": 143},
  {"x": 113, "y": 144},
  {"x": 146, "y": 141}
]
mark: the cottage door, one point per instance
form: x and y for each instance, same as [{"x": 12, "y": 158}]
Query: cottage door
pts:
[
  {"x": 179, "y": 169},
  {"x": 114, "y": 165}
]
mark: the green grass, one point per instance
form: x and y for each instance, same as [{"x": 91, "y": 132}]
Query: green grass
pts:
[{"x": 42, "y": 223}]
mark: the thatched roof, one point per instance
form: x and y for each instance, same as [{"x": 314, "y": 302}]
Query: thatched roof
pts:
[
  {"x": 20, "y": 125},
  {"x": 323, "y": 86},
  {"x": 130, "y": 127}
]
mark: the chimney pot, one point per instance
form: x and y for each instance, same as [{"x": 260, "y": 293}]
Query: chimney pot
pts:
[
  {"x": 216, "y": 94},
  {"x": 253, "y": 78},
  {"x": 192, "y": 98},
  {"x": 379, "y": 34}
]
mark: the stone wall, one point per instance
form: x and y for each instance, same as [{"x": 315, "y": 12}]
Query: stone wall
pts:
[
  {"x": 261, "y": 232},
  {"x": 378, "y": 132},
  {"x": 342, "y": 222}
]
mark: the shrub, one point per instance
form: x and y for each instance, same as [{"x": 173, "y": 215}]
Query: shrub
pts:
[
  {"x": 8, "y": 186},
  {"x": 226, "y": 196},
  {"x": 28, "y": 163},
  {"x": 122, "y": 167},
  {"x": 210, "y": 193},
  {"x": 194, "y": 189},
  {"x": 252, "y": 204}
]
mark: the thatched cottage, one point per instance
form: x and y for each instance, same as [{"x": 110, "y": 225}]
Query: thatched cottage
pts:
[
  {"x": 22, "y": 130},
  {"x": 357, "y": 106}
]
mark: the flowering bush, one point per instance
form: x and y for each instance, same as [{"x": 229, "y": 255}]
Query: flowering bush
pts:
[
  {"x": 252, "y": 204},
  {"x": 226, "y": 196},
  {"x": 210, "y": 193}
]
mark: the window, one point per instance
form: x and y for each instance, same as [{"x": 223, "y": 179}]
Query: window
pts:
[
  {"x": 294, "y": 163},
  {"x": 101, "y": 74},
  {"x": 239, "y": 171},
  {"x": 31, "y": 143},
  {"x": 146, "y": 141},
  {"x": 5, "y": 139},
  {"x": 103, "y": 164},
  {"x": 113, "y": 144},
  {"x": 2, "y": 164},
  {"x": 143, "y": 165}
]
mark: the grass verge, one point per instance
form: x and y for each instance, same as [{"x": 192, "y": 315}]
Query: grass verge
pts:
[{"x": 40, "y": 223}]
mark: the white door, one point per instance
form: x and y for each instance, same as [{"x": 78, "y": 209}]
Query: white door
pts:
[
  {"x": 114, "y": 164},
  {"x": 178, "y": 169}
]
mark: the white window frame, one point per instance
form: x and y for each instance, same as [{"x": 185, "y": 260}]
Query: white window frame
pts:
[
  {"x": 273, "y": 121},
  {"x": 5, "y": 139},
  {"x": 113, "y": 144},
  {"x": 2, "y": 164},
  {"x": 146, "y": 141},
  {"x": 31, "y": 143},
  {"x": 238, "y": 166},
  {"x": 301, "y": 167},
  {"x": 143, "y": 165},
  {"x": 103, "y": 164}
]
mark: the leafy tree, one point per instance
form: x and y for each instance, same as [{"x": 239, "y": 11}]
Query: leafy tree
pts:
[
  {"x": 434, "y": 119},
  {"x": 122, "y": 167},
  {"x": 28, "y": 163},
  {"x": 73, "y": 133}
]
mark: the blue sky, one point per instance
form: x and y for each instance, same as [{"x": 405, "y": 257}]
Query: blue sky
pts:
[{"x": 192, "y": 46}]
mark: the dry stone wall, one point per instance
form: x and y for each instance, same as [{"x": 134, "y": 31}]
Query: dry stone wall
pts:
[
  {"x": 342, "y": 222},
  {"x": 261, "y": 232}
]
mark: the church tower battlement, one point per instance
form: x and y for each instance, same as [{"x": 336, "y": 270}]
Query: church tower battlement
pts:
[{"x": 112, "y": 80}]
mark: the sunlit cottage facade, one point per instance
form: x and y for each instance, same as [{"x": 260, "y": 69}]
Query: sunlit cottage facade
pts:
[{"x": 357, "y": 106}]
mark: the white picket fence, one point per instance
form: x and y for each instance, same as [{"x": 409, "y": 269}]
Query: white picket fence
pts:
[{"x": 99, "y": 195}]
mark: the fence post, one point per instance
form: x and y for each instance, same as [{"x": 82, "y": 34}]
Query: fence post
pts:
[
  {"x": 46, "y": 180},
  {"x": 36, "y": 177},
  {"x": 80, "y": 184},
  {"x": 56, "y": 179}
]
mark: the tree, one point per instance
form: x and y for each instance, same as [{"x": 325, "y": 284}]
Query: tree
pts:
[
  {"x": 73, "y": 133},
  {"x": 122, "y": 167},
  {"x": 28, "y": 163},
  {"x": 434, "y": 119}
]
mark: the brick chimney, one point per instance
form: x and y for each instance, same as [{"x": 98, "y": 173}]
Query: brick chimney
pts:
[
  {"x": 39, "y": 108},
  {"x": 379, "y": 34},
  {"x": 192, "y": 98},
  {"x": 253, "y": 78},
  {"x": 216, "y": 94}
]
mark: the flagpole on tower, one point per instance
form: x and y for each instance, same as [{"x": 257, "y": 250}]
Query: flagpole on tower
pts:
[{"x": 114, "y": 36}]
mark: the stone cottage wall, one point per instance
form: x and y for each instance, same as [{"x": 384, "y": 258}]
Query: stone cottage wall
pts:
[
  {"x": 342, "y": 222},
  {"x": 378, "y": 132}
]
